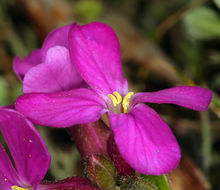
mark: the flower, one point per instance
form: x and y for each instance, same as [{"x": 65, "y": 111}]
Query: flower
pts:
[
  {"x": 144, "y": 140},
  {"x": 49, "y": 69},
  {"x": 30, "y": 157}
]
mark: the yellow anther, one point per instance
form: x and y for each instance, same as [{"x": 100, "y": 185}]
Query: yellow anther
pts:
[
  {"x": 15, "y": 187},
  {"x": 113, "y": 98},
  {"x": 117, "y": 99},
  {"x": 126, "y": 101},
  {"x": 118, "y": 96}
]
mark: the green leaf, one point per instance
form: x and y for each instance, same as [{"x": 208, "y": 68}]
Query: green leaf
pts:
[
  {"x": 160, "y": 182},
  {"x": 202, "y": 23},
  {"x": 217, "y": 2}
]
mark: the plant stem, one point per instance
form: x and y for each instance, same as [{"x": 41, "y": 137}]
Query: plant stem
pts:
[{"x": 206, "y": 142}]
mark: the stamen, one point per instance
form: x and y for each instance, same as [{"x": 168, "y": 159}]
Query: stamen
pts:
[
  {"x": 126, "y": 101},
  {"x": 117, "y": 99},
  {"x": 118, "y": 96},
  {"x": 113, "y": 98},
  {"x": 15, "y": 187}
]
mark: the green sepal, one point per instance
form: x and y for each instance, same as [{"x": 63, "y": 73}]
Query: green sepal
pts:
[
  {"x": 160, "y": 182},
  {"x": 137, "y": 183},
  {"x": 144, "y": 182},
  {"x": 101, "y": 172}
]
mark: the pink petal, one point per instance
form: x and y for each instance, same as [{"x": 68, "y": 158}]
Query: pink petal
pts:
[
  {"x": 55, "y": 74},
  {"x": 58, "y": 36},
  {"x": 8, "y": 175},
  {"x": 26, "y": 146},
  {"x": 72, "y": 183},
  {"x": 62, "y": 109},
  {"x": 5, "y": 185},
  {"x": 145, "y": 141},
  {"x": 21, "y": 66},
  {"x": 123, "y": 168},
  {"x": 192, "y": 97},
  {"x": 95, "y": 51}
]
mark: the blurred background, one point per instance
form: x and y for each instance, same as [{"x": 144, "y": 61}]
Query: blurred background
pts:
[{"x": 163, "y": 44}]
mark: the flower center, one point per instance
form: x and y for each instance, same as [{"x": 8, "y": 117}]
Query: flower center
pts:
[
  {"x": 117, "y": 99},
  {"x": 15, "y": 187}
]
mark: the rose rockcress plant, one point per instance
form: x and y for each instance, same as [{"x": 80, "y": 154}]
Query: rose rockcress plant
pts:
[{"x": 144, "y": 140}]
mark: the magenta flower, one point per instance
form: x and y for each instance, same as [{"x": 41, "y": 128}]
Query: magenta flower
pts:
[
  {"x": 28, "y": 150},
  {"x": 144, "y": 140},
  {"x": 49, "y": 69},
  {"x": 30, "y": 155}
]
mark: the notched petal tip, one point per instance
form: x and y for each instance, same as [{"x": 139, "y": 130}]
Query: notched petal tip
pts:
[{"x": 209, "y": 98}]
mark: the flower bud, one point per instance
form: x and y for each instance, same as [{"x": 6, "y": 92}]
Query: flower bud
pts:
[
  {"x": 101, "y": 172},
  {"x": 91, "y": 138}
]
